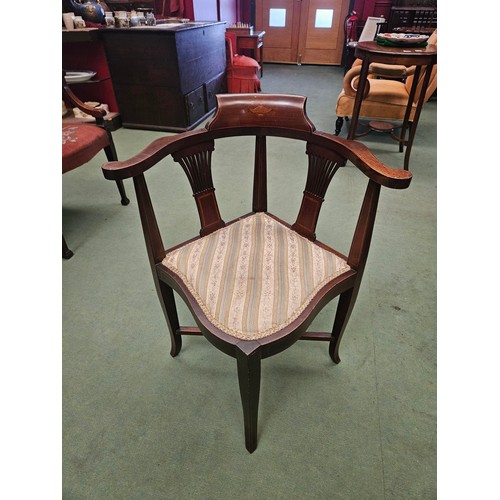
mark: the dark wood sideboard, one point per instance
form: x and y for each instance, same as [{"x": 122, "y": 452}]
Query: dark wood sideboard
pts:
[{"x": 164, "y": 77}]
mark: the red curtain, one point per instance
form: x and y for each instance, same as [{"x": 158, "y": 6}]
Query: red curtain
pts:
[{"x": 175, "y": 8}]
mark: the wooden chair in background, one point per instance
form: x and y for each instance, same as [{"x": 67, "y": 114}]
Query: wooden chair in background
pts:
[
  {"x": 82, "y": 141},
  {"x": 255, "y": 284}
]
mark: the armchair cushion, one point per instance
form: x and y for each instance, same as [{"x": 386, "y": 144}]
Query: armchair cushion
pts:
[
  {"x": 262, "y": 287},
  {"x": 387, "y": 100}
]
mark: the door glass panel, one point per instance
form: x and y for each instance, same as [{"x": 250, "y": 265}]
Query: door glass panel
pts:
[
  {"x": 324, "y": 18},
  {"x": 277, "y": 18}
]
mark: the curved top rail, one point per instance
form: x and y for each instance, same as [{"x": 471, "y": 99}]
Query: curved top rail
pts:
[{"x": 261, "y": 110}]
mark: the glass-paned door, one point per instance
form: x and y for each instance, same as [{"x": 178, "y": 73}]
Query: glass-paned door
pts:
[{"x": 302, "y": 31}]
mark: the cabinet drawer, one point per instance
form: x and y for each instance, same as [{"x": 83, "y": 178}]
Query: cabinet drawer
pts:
[
  {"x": 212, "y": 87},
  {"x": 195, "y": 104},
  {"x": 151, "y": 107}
]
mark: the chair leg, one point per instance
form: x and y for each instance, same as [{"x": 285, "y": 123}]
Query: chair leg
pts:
[
  {"x": 249, "y": 361},
  {"x": 344, "y": 309},
  {"x": 170, "y": 310},
  {"x": 66, "y": 252},
  {"x": 111, "y": 155},
  {"x": 338, "y": 125},
  {"x": 121, "y": 189},
  {"x": 403, "y": 134}
]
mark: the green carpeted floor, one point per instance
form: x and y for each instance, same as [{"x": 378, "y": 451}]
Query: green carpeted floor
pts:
[{"x": 140, "y": 425}]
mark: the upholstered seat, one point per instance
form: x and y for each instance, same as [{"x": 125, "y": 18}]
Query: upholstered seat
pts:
[
  {"x": 80, "y": 143},
  {"x": 262, "y": 276}
]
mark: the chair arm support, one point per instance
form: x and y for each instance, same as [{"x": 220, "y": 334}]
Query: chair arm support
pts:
[
  {"x": 73, "y": 99},
  {"x": 364, "y": 160}
]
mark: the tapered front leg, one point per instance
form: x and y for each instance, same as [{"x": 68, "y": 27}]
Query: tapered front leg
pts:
[
  {"x": 248, "y": 358},
  {"x": 121, "y": 189},
  {"x": 170, "y": 310},
  {"x": 344, "y": 308},
  {"x": 110, "y": 152}
]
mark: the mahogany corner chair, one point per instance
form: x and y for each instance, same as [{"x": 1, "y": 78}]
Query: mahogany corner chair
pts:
[
  {"x": 255, "y": 284},
  {"x": 82, "y": 141}
]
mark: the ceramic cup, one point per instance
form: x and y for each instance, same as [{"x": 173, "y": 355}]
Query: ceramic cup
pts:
[
  {"x": 79, "y": 22},
  {"x": 109, "y": 19},
  {"x": 68, "y": 20}
]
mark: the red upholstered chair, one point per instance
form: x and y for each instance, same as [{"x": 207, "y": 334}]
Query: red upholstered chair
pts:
[
  {"x": 82, "y": 141},
  {"x": 242, "y": 72}
]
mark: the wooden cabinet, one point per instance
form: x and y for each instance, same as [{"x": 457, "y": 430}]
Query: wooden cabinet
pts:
[{"x": 166, "y": 78}]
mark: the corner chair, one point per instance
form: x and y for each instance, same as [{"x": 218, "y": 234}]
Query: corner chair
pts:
[{"x": 255, "y": 284}]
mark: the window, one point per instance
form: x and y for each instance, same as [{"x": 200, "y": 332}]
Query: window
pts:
[
  {"x": 324, "y": 18},
  {"x": 277, "y": 18}
]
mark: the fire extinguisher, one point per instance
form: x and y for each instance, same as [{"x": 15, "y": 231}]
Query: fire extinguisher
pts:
[{"x": 350, "y": 25}]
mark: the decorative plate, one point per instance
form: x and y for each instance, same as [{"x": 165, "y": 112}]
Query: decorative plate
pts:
[
  {"x": 79, "y": 76},
  {"x": 402, "y": 39}
]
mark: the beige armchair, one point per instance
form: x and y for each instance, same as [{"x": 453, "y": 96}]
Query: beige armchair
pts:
[{"x": 386, "y": 93}]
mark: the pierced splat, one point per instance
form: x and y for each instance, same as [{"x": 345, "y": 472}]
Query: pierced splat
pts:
[
  {"x": 323, "y": 164},
  {"x": 196, "y": 161}
]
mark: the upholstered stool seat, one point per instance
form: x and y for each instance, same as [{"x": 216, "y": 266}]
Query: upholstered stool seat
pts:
[{"x": 254, "y": 277}]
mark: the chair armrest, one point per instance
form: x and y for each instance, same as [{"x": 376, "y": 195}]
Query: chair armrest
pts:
[
  {"x": 149, "y": 156},
  {"x": 364, "y": 160},
  {"x": 351, "y": 80},
  {"x": 391, "y": 70}
]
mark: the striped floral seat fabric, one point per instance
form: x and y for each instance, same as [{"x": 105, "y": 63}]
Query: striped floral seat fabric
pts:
[{"x": 254, "y": 277}]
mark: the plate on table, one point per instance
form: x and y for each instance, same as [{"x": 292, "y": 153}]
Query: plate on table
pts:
[
  {"x": 79, "y": 76},
  {"x": 402, "y": 39}
]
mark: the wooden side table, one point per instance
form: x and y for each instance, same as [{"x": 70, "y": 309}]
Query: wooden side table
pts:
[
  {"x": 255, "y": 43},
  {"x": 371, "y": 52}
]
